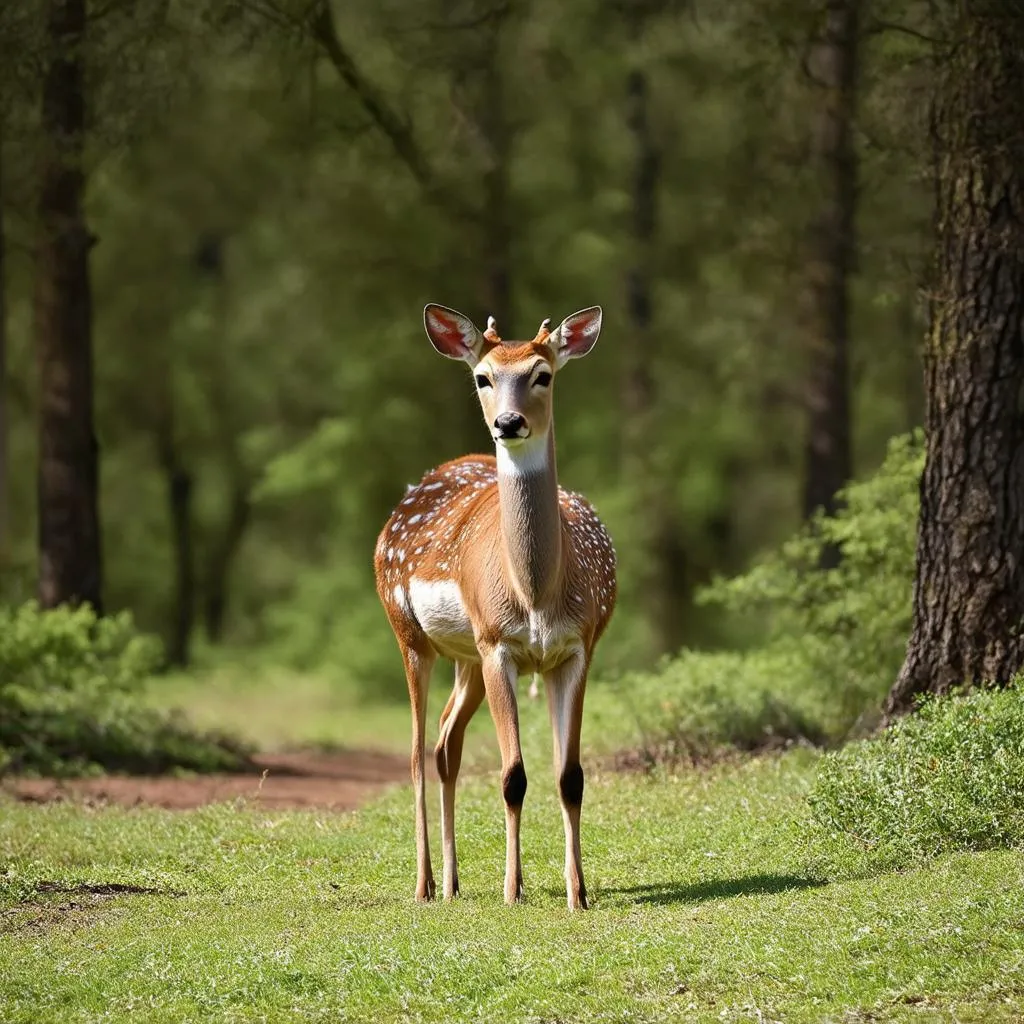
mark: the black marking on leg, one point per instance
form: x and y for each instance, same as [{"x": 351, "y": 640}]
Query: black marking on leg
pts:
[
  {"x": 513, "y": 785},
  {"x": 571, "y": 785}
]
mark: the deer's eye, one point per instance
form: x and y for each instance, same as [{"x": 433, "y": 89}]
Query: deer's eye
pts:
[
  {"x": 482, "y": 382},
  {"x": 543, "y": 379}
]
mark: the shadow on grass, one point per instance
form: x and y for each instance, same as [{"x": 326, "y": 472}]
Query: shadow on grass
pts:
[{"x": 715, "y": 888}]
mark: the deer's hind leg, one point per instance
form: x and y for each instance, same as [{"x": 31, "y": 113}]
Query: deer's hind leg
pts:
[
  {"x": 467, "y": 695},
  {"x": 418, "y": 664}
]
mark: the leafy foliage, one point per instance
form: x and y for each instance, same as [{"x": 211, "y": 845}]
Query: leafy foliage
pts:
[
  {"x": 70, "y": 699},
  {"x": 701, "y": 706},
  {"x": 827, "y": 642},
  {"x": 948, "y": 778},
  {"x": 845, "y": 627}
]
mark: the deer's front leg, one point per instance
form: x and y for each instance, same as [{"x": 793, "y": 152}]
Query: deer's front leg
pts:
[
  {"x": 500, "y": 684},
  {"x": 565, "y": 687}
]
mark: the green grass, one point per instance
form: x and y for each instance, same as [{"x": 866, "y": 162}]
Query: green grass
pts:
[{"x": 707, "y": 905}]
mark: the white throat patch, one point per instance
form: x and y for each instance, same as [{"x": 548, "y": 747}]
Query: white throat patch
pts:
[{"x": 525, "y": 459}]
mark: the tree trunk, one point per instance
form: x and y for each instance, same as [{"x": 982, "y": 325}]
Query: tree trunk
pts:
[
  {"x": 223, "y": 558},
  {"x": 483, "y": 86},
  {"x": 68, "y": 480},
  {"x": 969, "y": 588},
  {"x": 664, "y": 570},
  {"x": 496, "y": 254},
  {"x": 180, "y": 489},
  {"x": 5, "y": 497},
  {"x": 827, "y": 459},
  {"x": 179, "y": 496}
]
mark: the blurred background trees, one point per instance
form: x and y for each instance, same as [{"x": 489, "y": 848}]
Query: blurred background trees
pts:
[{"x": 270, "y": 190}]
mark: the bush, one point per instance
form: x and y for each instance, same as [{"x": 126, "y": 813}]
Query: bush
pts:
[
  {"x": 845, "y": 628},
  {"x": 948, "y": 778},
  {"x": 700, "y": 706},
  {"x": 830, "y": 642},
  {"x": 70, "y": 699}
]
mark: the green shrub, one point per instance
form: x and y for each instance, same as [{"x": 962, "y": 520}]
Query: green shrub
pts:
[
  {"x": 699, "y": 706},
  {"x": 830, "y": 641},
  {"x": 846, "y": 628},
  {"x": 70, "y": 699},
  {"x": 950, "y": 777}
]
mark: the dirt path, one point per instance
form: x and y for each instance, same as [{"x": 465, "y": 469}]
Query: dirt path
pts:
[{"x": 337, "y": 781}]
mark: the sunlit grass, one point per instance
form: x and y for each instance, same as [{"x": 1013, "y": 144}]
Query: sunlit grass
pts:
[
  {"x": 708, "y": 904},
  {"x": 276, "y": 709}
]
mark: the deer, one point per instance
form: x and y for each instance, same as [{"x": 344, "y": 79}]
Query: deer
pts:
[{"x": 489, "y": 563}]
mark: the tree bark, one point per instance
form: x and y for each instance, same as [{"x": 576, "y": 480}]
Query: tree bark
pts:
[
  {"x": 827, "y": 457},
  {"x": 969, "y": 587},
  {"x": 68, "y": 478}
]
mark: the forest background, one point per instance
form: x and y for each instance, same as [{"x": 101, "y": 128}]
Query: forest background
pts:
[{"x": 272, "y": 191}]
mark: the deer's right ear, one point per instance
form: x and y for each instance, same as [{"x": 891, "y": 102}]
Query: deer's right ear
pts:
[{"x": 452, "y": 334}]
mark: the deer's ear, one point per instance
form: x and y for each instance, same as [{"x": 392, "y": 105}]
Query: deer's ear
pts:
[
  {"x": 452, "y": 334},
  {"x": 577, "y": 334}
]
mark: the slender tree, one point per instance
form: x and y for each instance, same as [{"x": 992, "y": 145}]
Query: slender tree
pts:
[
  {"x": 831, "y": 245},
  {"x": 663, "y": 575},
  {"x": 180, "y": 484},
  {"x": 68, "y": 477},
  {"x": 968, "y": 622}
]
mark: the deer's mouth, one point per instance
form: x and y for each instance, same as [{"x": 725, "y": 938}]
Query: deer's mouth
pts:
[{"x": 512, "y": 440}]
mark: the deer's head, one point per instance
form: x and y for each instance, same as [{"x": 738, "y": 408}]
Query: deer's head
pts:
[{"x": 514, "y": 380}]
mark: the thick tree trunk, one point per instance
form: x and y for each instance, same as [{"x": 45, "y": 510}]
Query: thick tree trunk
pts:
[
  {"x": 68, "y": 484},
  {"x": 664, "y": 569},
  {"x": 827, "y": 459},
  {"x": 969, "y": 589}
]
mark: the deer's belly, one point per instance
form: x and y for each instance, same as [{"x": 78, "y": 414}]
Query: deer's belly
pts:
[
  {"x": 442, "y": 615},
  {"x": 542, "y": 642},
  {"x": 536, "y": 643}
]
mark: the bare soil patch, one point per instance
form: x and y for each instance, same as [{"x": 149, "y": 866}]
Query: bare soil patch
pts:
[{"x": 338, "y": 781}]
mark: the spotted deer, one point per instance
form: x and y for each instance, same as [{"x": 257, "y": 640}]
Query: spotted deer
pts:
[{"x": 489, "y": 563}]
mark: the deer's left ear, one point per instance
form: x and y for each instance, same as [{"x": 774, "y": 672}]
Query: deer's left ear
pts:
[{"x": 576, "y": 335}]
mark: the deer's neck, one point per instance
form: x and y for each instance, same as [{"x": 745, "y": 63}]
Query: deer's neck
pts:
[{"x": 531, "y": 526}]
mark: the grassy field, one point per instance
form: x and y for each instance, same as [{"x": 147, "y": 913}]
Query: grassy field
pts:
[{"x": 710, "y": 902}]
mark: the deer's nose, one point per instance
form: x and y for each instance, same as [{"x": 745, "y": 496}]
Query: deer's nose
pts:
[{"x": 510, "y": 424}]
